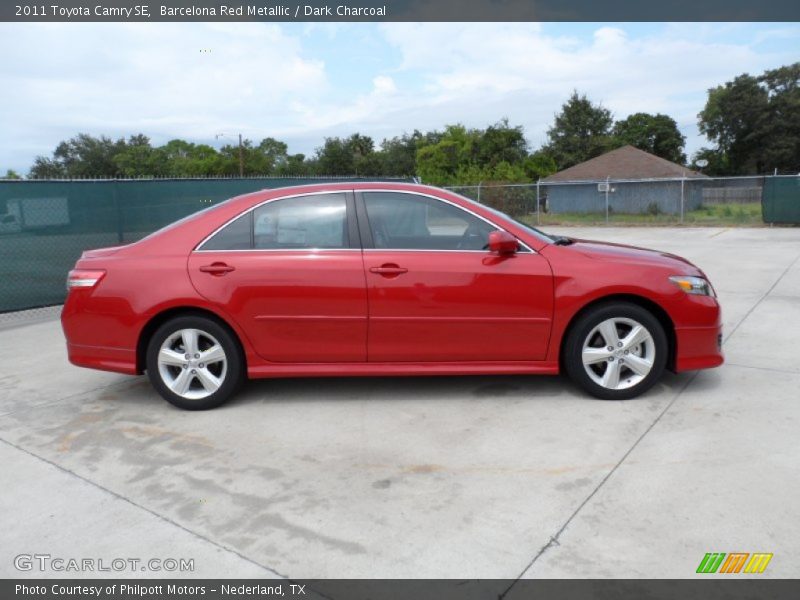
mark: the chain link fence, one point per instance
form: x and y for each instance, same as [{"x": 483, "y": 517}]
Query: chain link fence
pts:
[
  {"x": 685, "y": 201},
  {"x": 45, "y": 225}
]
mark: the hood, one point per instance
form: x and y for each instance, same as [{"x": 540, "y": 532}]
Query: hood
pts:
[{"x": 607, "y": 251}]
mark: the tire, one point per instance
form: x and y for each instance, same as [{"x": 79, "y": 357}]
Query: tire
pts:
[
  {"x": 637, "y": 358},
  {"x": 214, "y": 369}
]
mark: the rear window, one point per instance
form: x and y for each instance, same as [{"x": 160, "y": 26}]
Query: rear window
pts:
[
  {"x": 303, "y": 222},
  {"x": 236, "y": 235}
]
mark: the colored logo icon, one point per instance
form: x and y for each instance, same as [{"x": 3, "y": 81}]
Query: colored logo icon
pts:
[{"x": 734, "y": 562}]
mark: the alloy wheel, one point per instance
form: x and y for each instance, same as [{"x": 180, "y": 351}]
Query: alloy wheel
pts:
[
  {"x": 192, "y": 363},
  {"x": 618, "y": 353}
]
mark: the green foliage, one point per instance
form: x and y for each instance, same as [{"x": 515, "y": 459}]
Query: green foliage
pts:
[
  {"x": 138, "y": 158},
  {"x": 81, "y": 156},
  {"x": 184, "y": 159},
  {"x": 354, "y": 155},
  {"x": 500, "y": 143},
  {"x": 11, "y": 174},
  {"x": 657, "y": 134},
  {"x": 440, "y": 163},
  {"x": 755, "y": 122},
  {"x": 717, "y": 162},
  {"x": 653, "y": 209},
  {"x": 461, "y": 156},
  {"x": 581, "y": 131},
  {"x": 398, "y": 155},
  {"x": 539, "y": 165}
]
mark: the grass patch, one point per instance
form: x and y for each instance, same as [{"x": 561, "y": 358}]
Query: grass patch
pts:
[{"x": 716, "y": 215}]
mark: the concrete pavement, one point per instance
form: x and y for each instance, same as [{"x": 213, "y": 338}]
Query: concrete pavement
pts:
[{"x": 490, "y": 477}]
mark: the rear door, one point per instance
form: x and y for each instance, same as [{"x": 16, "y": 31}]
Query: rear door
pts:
[
  {"x": 436, "y": 294},
  {"x": 290, "y": 272}
]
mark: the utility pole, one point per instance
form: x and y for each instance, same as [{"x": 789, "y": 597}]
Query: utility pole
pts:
[
  {"x": 241, "y": 151},
  {"x": 241, "y": 157}
]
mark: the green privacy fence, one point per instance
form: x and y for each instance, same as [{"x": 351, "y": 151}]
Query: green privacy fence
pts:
[
  {"x": 781, "y": 200},
  {"x": 45, "y": 225}
]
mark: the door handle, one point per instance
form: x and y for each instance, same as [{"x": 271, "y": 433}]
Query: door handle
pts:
[
  {"x": 217, "y": 269},
  {"x": 388, "y": 269}
]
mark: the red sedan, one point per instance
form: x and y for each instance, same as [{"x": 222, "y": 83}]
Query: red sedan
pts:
[{"x": 382, "y": 279}]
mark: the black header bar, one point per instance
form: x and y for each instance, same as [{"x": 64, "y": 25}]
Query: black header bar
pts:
[{"x": 398, "y": 10}]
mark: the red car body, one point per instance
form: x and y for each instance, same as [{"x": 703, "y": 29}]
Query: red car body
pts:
[{"x": 368, "y": 311}]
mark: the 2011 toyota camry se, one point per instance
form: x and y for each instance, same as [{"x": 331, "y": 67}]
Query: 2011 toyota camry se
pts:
[{"x": 382, "y": 279}]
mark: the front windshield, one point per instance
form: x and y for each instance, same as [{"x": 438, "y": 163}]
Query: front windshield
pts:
[{"x": 529, "y": 228}]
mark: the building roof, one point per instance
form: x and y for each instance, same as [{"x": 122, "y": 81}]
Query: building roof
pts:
[{"x": 627, "y": 162}]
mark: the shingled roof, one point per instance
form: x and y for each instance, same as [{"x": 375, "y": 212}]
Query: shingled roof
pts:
[{"x": 627, "y": 162}]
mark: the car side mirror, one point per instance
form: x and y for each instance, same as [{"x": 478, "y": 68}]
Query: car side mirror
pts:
[{"x": 502, "y": 242}]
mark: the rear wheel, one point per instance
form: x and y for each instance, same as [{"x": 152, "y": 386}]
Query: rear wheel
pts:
[
  {"x": 194, "y": 363},
  {"x": 616, "y": 351}
]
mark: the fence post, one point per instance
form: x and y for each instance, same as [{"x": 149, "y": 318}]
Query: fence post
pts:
[
  {"x": 479, "y": 191},
  {"x": 120, "y": 228},
  {"x": 538, "y": 202},
  {"x": 683, "y": 179},
  {"x": 607, "y": 186}
]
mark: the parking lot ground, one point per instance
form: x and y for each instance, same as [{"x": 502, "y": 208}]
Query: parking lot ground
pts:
[{"x": 488, "y": 477}]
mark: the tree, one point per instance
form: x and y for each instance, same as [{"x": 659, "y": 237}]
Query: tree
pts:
[
  {"x": 139, "y": 159},
  {"x": 500, "y": 143},
  {"x": 717, "y": 162},
  {"x": 398, "y": 155},
  {"x": 782, "y": 123},
  {"x": 733, "y": 118},
  {"x": 354, "y": 155},
  {"x": 46, "y": 168},
  {"x": 657, "y": 134},
  {"x": 581, "y": 131},
  {"x": 296, "y": 165},
  {"x": 185, "y": 159},
  {"x": 88, "y": 156},
  {"x": 755, "y": 121},
  {"x": 271, "y": 155},
  {"x": 539, "y": 165},
  {"x": 439, "y": 163},
  {"x": 11, "y": 174}
]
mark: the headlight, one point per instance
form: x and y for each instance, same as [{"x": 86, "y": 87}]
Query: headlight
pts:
[{"x": 693, "y": 285}]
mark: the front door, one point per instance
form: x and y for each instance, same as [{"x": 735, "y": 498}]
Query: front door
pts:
[{"x": 436, "y": 293}]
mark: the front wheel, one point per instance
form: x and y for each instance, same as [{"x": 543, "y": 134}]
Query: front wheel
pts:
[
  {"x": 616, "y": 351},
  {"x": 194, "y": 363}
]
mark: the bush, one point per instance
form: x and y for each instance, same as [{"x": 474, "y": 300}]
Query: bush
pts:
[{"x": 653, "y": 209}]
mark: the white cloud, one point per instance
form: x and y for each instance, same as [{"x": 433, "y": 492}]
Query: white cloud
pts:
[
  {"x": 528, "y": 73},
  {"x": 302, "y": 83},
  {"x": 166, "y": 80}
]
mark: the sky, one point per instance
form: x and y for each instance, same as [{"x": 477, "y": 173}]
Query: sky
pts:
[{"x": 302, "y": 82}]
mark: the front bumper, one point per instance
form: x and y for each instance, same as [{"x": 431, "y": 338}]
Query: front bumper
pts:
[{"x": 698, "y": 348}]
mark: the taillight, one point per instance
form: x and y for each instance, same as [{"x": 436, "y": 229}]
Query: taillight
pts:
[{"x": 84, "y": 278}]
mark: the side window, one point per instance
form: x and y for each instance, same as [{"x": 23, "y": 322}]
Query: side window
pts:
[
  {"x": 412, "y": 222},
  {"x": 236, "y": 235},
  {"x": 305, "y": 222}
]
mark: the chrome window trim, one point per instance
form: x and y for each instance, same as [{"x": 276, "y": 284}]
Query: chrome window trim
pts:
[
  {"x": 198, "y": 247},
  {"x": 451, "y": 203},
  {"x": 312, "y": 250}
]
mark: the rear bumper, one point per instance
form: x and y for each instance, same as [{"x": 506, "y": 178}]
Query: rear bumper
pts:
[
  {"x": 118, "y": 360},
  {"x": 698, "y": 348}
]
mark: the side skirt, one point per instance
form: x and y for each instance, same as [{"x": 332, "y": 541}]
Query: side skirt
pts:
[{"x": 409, "y": 369}]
